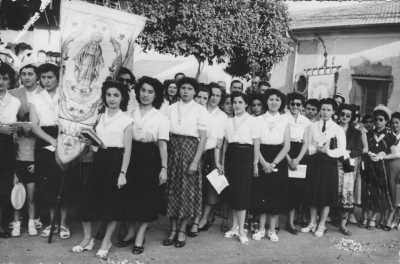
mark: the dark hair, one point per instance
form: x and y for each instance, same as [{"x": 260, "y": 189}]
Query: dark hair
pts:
[
  {"x": 158, "y": 90},
  {"x": 5, "y": 68},
  {"x": 314, "y": 102},
  {"x": 179, "y": 73},
  {"x": 166, "y": 84},
  {"x": 264, "y": 83},
  {"x": 366, "y": 117},
  {"x": 188, "y": 80},
  {"x": 215, "y": 85},
  {"x": 259, "y": 97},
  {"x": 49, "y": 67},
  {"x": 380, "y": 112},
  {"x": 278, "y": 93},
  {"x": 236, "y": 81},
  {"x": 121, "y": 88},
  {"x": 239, "y": 94},
  {"x": 20, "y": 47},
  {"x": 30, "y": 66},
  {"x": 396, "y": 115},
  {"x": 295, "y": 96},
  {"x": 329, "y": 101},
  {"x": 339, "y": 96},
  {"x": 124, "y": 70},
  {"x": 204, "y": 88},
  {"x": 350, "y": 108}
]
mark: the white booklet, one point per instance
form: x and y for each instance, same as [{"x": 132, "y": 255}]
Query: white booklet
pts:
[
  {"x": 219, "y": 182},
  {"x": 299, "y": 173}
]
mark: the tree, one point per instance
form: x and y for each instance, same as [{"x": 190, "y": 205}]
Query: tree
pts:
[{"x": 250, "y": 34}]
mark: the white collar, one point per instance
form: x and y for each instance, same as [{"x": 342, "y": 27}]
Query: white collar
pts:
[{"x": 5, "y": 99}]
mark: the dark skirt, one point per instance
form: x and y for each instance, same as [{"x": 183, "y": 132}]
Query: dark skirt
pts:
[
  {"x": 322, "y": 181},
  {"x": 394, "y": 166},
  {"x": 7, "y": 167},
  {"x": 270, "y": 191},
  {"x": 296, "y": 187},
  {"x": 49, "y": 173},
  {"x": 142, "y": 193},
  {"x": 376, "y": 194},
  {"x": 207, "y": 166},
  {"x": 184, "y": 191},
  {"x": 239, "y": 172},
  {"x": 109, "y": 199}
]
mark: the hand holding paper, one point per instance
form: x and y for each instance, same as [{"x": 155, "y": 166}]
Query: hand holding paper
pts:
[{"x": 218, "y": 182}]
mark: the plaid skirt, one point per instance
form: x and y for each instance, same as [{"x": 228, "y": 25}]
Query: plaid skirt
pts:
[{"x": 184, "y": 191}]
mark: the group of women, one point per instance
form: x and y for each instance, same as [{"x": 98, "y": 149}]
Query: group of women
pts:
[{"x": 276, "y": 160}]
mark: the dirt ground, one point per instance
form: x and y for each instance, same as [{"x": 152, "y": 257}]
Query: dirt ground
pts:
[{"x": 365, "y": 247}]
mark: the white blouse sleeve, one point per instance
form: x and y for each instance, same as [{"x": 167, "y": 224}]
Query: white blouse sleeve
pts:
[
  {"x": 312, "y": 148},
  {"x": 163, "y": 129},
  {"x": 202, "y": 119}
]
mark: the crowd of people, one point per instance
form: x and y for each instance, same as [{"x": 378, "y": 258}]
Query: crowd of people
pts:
[{"x": 312, "y": 161}]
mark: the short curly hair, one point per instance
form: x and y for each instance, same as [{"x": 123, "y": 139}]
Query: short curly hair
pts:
[
  {"x": 188, "y": 80},
  {"x": 158, "y": 90},
  {"x": 278, "y": 93},
  {"x": 121, "y": 88}
]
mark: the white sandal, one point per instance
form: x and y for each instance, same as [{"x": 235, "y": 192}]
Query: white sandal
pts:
[
  {"x": 79, "y": 249},
  {"x": 65, "y": 233},
  {"x": 273, "y": 236},
  {"x": 103, "y": 254}
]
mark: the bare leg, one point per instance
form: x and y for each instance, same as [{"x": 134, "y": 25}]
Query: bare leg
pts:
[
  {"x": 273, "y": 222},
  {"x": 241, "y": 218},
  {"x": 64, "y": 213},
  {"x": 31, "y": 200},
  {"x": 182, "y": 230},
  {"x": 291, "y": 218},
  {"x": 106, "y": 243},
  {"x": 87, "y": 233},
  {"x": 262, "y": 221},
  {"x": 131, "y": 232},
  {"x": 139, "y": 241},
  {"x": 206, "y": 213},
  {"x": 195, "y": 226},
  {"x": 324, "y": 216}
]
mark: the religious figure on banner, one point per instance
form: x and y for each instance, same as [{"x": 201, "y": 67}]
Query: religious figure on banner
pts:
[{"x": 95, "y": 41}]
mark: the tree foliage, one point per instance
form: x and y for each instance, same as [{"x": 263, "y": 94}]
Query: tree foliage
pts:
[{"x": 251, "y": 35}]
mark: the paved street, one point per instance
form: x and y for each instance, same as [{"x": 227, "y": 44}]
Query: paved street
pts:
[{"x": 376, "y": 247}]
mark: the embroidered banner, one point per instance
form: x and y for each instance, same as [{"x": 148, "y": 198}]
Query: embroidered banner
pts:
[
  {"x": 96, "y": 42},
  {"x": 321, "y": 86}
]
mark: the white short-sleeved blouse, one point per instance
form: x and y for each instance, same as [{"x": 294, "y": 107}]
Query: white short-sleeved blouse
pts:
[
  {"x": 111, "y": 129},
  {"x": 217, "y": 119},
  {"x": 298, "y": 127},
  {"x": 319, "y": 138},
  {"x": 273, "y": 128},
  {"x": 242, "y": 129},
  {"x": 151, "y": 127},
  {"x": 187, "y": 118},
  {"x": 9, "y": 106},
  {"x": 46, "y": 107}
]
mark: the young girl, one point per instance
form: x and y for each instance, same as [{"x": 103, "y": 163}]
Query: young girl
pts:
[
  {"x": 148, "y": 167},
  {"x": 327, "y": 144},
  {"x": 271, "y": 187},
  {"x": 242, "y": 142},
  {"x": 110, "y": 165},
  {"x": 188, "y": 123},
  {"x": 9, "y": 107}
]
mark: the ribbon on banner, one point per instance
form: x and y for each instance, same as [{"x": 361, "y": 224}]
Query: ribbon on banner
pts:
[{"x": 95, "y": 42}]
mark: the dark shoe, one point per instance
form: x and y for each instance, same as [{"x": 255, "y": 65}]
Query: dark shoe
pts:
[
  {"x": 5, "y": 234},
  {"x": 205, "y": 227},
  {"x": 190, "y": 233},
  {"x": 292, "y": 230},
  {"x": 386, "y": 228},
  {"x": 178, "y": 243},
  {"x": 345, "y": 231},
  {"x": 169, "y": 241},
  {"x": 124, "y": 243},
  {"x": 137, "y": 250}
]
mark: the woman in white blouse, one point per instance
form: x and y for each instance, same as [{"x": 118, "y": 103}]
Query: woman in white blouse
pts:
[
  {"x": 211, "y": 157},
  {"x": 9, "y": 107},
  {"x": 242, "y": 136},
  {"x": 111, "y": 161},
  {"x": 298, "y": 126},
  {"x": 327, "y": 143},
  {"x": 148, "y": 166},
  {"x": 44, "y": 117},
  {"x": 270, "y": 190},
  {"x": 188, "y": 127}
]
